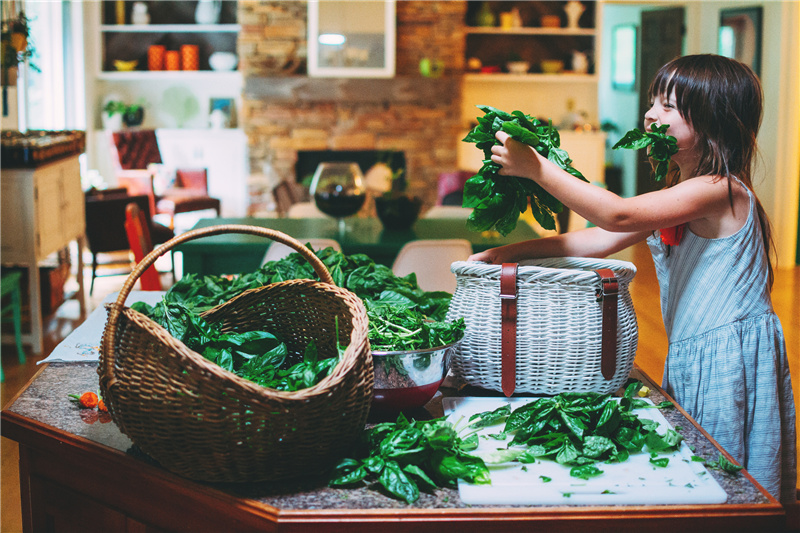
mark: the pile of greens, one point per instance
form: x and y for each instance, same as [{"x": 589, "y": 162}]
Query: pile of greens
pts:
[
  {"x": 577, "y": 430},
  {"x": 498, "y": 201},
  {"x": 258, "y": 356},
  {"x": 403, "y": 456},
  {"x": 662, "y": 146},
  {"x": 401, "y": 316}
]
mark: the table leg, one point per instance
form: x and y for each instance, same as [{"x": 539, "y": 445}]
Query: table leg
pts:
[
  {"x": 81, "y": 295},
  {"x": 35, "y": 302}
]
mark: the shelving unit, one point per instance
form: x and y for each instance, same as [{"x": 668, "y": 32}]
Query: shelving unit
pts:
[{"x": 172, "y": 25}]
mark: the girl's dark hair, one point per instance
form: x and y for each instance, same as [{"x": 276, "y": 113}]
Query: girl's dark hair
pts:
[{"x": 721, "y": 99}]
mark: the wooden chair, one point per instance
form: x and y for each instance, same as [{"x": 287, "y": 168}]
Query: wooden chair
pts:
[
  {"x": 105, "y": 228},
  {"x": 11, "y": 288},
  {"x": 136, "y": 227},
  {"x": 430, "y": 260},
  {"x": 134, "y": 151}
]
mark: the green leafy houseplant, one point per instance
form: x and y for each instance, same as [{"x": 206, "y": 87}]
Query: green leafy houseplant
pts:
[{"x": 15, "y": 44}]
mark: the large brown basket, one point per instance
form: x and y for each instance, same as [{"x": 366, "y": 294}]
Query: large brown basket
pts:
[{"x": 205, "y": 423}]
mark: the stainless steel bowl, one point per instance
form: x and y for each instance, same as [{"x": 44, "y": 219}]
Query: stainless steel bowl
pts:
[{"x": 409, "y": 379}]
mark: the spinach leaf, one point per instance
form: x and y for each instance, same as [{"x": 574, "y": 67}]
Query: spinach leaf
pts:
[
  {"x": 661, "y": 146},
  {"x": 498, "y": 201},
  {"x": 405, "y": 455}
]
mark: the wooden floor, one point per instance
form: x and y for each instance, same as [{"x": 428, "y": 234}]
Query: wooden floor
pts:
[{"x": 650, "y": 355}]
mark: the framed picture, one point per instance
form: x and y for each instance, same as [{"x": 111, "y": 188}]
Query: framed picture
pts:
[
  {"x": 222, "y": 113},
  {"x": 351, "y": 38},
  {"x": 740, "y": 36},
  {"x": 623, "y": 57}
]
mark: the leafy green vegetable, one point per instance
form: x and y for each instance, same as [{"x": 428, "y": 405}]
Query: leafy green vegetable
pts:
[
  {"x": 258, "y": 356},
  {"x": 498, "y": 201},
  {"x": 576, "y": 430},
  {"x": 406, "y": 456},
  {"x": 662, "y": 146},
  {"x": 388, "y": 298},
  {"x": 724, "y": 465}
]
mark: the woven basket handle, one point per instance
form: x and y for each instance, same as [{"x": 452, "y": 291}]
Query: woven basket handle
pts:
[{"x": 107, "y": 361}]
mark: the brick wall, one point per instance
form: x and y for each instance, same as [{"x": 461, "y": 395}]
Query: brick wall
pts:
[{"x": 285, "y": 111}]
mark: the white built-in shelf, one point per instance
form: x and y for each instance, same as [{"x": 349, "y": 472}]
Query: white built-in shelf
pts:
[
  {"x": 556, "y": 32},
  {"x": 568, "y": 77},
  {"x": 178, "y": 75},
  {"x": 170, "y": 28}
]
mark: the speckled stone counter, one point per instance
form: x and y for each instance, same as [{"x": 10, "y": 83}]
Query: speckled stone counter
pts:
[{"x": 46, "y": 401}]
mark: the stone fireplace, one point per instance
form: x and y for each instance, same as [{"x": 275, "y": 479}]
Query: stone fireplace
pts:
[{"x": 285, "y": 112}]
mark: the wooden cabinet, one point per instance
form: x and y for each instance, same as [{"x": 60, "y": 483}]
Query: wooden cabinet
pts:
[{"x": 42, "y": 212}]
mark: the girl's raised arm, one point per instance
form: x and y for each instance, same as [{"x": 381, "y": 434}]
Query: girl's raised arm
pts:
[{"x": 689, "y": 200}]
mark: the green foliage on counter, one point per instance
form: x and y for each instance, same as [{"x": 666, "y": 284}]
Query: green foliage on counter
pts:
[{"x": 406, "y": 456}]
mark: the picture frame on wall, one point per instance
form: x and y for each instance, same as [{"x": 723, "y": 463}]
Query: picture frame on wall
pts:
[{"x": 222, "y": 113}]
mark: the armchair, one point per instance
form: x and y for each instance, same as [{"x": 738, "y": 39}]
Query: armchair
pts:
[{"x": 133, "y": 151}]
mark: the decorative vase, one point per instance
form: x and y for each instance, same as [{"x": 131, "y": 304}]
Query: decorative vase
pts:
[
  {"x": 397, "y": 213},
  {"x": 134, "y": 118},
  {"x": 574, "y": 10},
  {"x": 485, "y": 16},
  {"x": 112, "y": 122},
  {"x": 207, "y": 11}
]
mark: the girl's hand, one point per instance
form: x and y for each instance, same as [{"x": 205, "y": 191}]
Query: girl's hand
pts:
[
  {"x": 495, "y": 256},
  {"x": 516, "y": 158}
]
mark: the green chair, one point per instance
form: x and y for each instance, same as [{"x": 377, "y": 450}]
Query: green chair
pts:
[{"x": 13, "y": 309}]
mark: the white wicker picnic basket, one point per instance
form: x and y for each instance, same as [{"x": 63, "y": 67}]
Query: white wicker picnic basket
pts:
[{"x": 564, "y": 307}]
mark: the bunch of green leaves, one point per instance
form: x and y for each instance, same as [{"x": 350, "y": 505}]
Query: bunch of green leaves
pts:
[
  {"x": 498, "y": 201},
  {"x": 577, "y": 430},
  {"x": 372, "y": 282},
  {"x": 661, "y": 146},
  {"x": 401, "y": 327},
  {"x": 720, "y": 464},
  {"x": 258, "y": 356},
  {"x": 406, "y": 456}
]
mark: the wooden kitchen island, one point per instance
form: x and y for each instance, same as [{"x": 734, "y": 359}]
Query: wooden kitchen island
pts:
[{"x": 79, "y": 472}]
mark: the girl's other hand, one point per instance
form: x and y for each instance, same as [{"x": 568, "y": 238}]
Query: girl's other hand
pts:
[
  {"x": 516, "y": 158},
  {"x": 494, "y": 256}
]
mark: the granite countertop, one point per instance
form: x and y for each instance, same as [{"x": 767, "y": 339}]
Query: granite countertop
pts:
[{"x": 46, "y": 401}]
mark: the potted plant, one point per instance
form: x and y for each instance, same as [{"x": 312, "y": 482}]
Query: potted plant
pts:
[
  {"x": 113, "y": 110},
  {"x": 117, "y": 112},
  {"x": 15, "y": 47}
]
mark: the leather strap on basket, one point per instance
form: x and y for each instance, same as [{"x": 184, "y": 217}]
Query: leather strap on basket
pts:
[
  {"x": 508, "y": 339},
  {"x": 607, "y": 294}
]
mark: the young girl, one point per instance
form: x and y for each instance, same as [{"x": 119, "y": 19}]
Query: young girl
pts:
[{"x": 727, "y": 361}]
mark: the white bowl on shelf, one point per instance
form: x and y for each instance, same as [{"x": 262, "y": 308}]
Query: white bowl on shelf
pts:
[
  {"x": 222, "y": 61},
  {"x": 518, "y": 67}
]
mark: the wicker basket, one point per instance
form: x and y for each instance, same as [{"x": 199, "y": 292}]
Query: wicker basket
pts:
[
  {"x": 559, "y": 325},
  {"x": 205, "y": 423}
]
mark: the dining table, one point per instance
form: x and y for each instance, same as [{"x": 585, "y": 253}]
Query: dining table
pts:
[{"x": 233, "y": 253}]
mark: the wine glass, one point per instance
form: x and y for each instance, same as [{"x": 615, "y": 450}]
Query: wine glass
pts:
[{"x": 338, "y": 190}]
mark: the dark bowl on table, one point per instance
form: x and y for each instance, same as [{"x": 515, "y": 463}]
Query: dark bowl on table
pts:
[
  {"x": 397, "y": 213},
  {"x": 409, "y": 379}
]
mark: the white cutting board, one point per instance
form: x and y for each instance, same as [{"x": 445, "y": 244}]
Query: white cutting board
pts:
[{"x": 633, "y": 482}]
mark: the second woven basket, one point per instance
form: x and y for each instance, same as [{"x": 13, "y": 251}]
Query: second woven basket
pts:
[{"x": 558, "y": 325}]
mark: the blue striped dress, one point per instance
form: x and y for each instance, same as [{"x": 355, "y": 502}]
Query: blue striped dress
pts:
[{"x": 727, "y": 361}]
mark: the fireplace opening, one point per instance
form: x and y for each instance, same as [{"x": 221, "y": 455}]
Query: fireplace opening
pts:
[{"x": 307, "y": 161}]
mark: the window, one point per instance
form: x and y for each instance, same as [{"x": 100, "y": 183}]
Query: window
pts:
[{"x": 623, "y": 57}]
